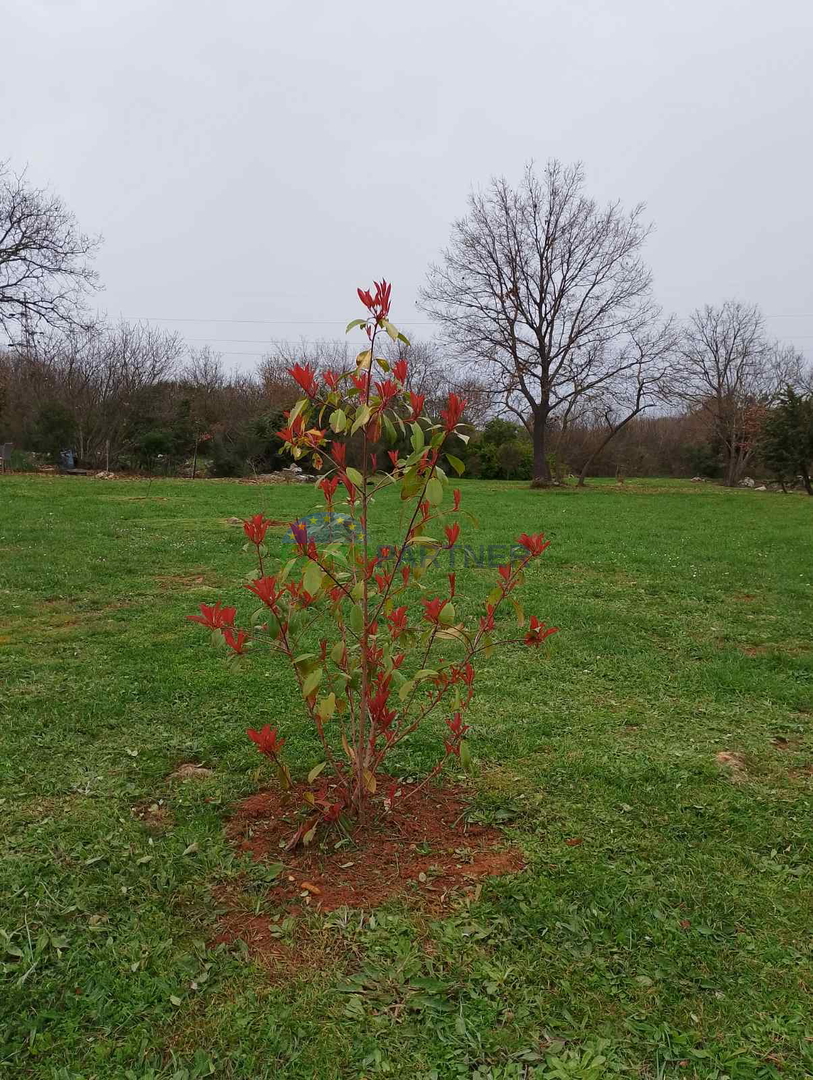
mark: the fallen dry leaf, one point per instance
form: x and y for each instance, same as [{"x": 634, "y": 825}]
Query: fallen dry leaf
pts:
[
  {"x": 574, "y": 841},
  {"x": 314, "y": 890}
]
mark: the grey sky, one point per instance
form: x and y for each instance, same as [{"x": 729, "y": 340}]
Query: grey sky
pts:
[{"x": 257, "y": 159}]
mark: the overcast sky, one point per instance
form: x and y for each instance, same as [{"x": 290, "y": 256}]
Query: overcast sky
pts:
[{"x": 258, "y": 159}]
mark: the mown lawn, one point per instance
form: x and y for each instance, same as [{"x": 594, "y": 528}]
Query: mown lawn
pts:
[{"x": 675, "y": 940}]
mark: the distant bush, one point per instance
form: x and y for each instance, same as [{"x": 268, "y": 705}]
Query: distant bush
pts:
[{"x": 22, "y": 461}]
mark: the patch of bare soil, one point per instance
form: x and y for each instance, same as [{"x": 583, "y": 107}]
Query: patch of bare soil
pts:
[
  {"x": 780, "y": 742},
  {"x": 283, "y": 947},
  {"x": 422, "y": 850},
  {"x": 155, "y": 816},
  {"x": 754, "y": 650},
  {"x": 805, "y": 772},
  {"x": 194, "y": 579},
  {"x": 735, "y": 763},
  {"x": 190, "y": 770}
]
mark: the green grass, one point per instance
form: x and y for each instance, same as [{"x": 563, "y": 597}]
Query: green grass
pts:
[{"x": 674, "y": 941}]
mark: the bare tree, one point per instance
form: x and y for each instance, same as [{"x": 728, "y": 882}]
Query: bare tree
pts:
[
  {"x": 434, "y": 374},
  {"x": 731, "y": 372},
  {"x": 544, "y": 289},
  {"x": 279, "y": 388},
  {"x": 45, "y": 268},
  {"x": 107, "y": 378},
  {"x": 640, "y": 386}
]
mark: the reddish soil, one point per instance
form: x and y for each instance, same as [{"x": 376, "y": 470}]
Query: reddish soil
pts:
[
  {"x": 283, "y": 956},
  {"x": 422, "y": 850}
]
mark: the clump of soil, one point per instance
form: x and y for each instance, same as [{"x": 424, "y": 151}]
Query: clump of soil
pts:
[
  {"x": 189, "y": 770},
  {"x": 422, "y": 849},
  {"x": 735, "y": 763}
]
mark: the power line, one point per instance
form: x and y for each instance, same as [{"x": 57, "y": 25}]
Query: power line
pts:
[
  {"x": 334, "y": 322},
  {"x": 260, "y": 322}
]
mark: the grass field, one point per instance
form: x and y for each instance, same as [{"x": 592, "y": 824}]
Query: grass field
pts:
[{"x": 675, "y": 940}]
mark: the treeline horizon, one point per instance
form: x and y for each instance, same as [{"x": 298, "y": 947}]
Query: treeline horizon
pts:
[
  {"x": 133, "y": 397},
  {"x": 548, "y": 326}
]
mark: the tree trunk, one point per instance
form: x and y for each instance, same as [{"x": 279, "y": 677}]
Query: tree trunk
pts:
[
  {"x": 730, "y": 470},
  {"x": 541, "y": 473},
  {"x": 806, "y": 482},
  {"x": 611, "y": 434}
]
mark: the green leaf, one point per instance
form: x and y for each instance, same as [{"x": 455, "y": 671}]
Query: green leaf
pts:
[
  {"x": 327, "y": 707},
  {"x": 312, "y": 579},
  {"x": 356, "y": 618},
  {"x": 447, "y": 614},
  {"x": 364, "y": 359},
  {"x": 311, "y": 682},
  {"x": 418, "y": 441},
  {"x": 338, "y": 420},
  {"x": 391, "y": 330},
  {"x": 337, "y": 652},
  {"x": 355, "y": 476},
  {"x": 456, "y": 464},
  {"x": 406, "y": 689},
  {"x": 315, "y": 771},
  {"x": 271, "y": 871},
  {"x": 285, "y": 571},
  {"x": 434, "y": 491},
  {"x": 465, "y": 757},
  {"x": 353, "y": 324},
  {"x": 389, "y": 429},
  {"x": 518, "y": 608},
  {"x": 362, "y": 416}
]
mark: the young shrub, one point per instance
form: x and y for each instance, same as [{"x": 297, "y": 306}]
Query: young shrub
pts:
[{"x": 373, "y": 678}]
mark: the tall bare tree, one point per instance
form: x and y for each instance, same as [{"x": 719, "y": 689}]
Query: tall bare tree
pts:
[
  {"x": 643, "y": 385},
  {"x": 45, "y": 259},
  {"x": 731, "y": 372},
  {"x": 546, "y": 289}
]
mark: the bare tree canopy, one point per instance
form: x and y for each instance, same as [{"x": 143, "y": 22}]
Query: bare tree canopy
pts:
[
  {"x": 549, "y": 291},
  {"x": 731, "y": 372},
  {"x": 45, "y": 260}
]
